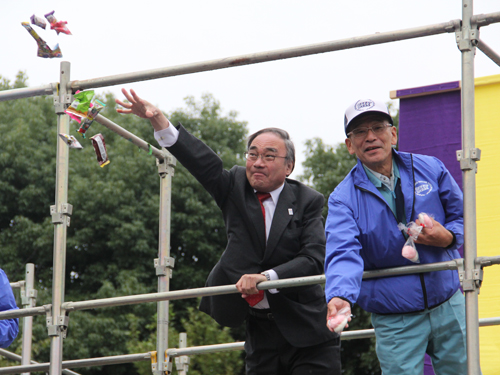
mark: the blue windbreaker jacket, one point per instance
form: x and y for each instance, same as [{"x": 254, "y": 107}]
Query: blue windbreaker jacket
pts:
[
  {"x": 9, "y": 328},
  {"x": 362, "y": 234}
]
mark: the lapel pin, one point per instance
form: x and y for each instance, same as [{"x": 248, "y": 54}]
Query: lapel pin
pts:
[{"x": 290, "y": 212}]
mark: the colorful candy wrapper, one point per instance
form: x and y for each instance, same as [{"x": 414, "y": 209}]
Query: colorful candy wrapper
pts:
[
  {"x": 254, "y": 299},
  {"x": 91, "y": 115},
  {"x": 43, "y": 49},
  {"x": 100, "y": 149},
  {"x": 70, "y": 140},
  {"x": 339, "y": 321},
  {"x": 39, "y": 21},
  {"x": 58, "y": 26},
  {"x": 81, "y": 104}
]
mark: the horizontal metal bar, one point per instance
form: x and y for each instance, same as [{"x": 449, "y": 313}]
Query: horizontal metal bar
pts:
[
  {"x": 485, "y": 322},
  {"x": 21, "y": 313},
  {"x": 17, "y": 284},
  {"x": 485, "y": 19},
  {"x": 129, "y": 136},
  {"x": 206, "y": 349},
  {"x": 495, "y": 57},
  {"x": 255, "y": 58},
  {"x": 27, "y": 92},
  {"x": 405, "y": 270},
  {"x": 487, "y": 261},
  {"x": 17, "y": 357},
  {"x": 102, "y": 361}
]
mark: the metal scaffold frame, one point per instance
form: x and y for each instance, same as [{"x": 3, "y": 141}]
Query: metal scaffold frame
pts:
[{"x": 57, "y": 313}]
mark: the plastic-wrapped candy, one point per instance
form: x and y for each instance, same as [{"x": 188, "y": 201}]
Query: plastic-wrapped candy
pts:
[
  {"x": 39, "y": 21},
  {"x": 81, "y": 103},
  {"x": 70, "y": 140},
  {"x": 58, "y": 26},
  {"x": 91, "y": 115},
  {"x": 100, "y": 149},
  {"x": 425, "y": 220},
  {"x": 339, "y": 321},
  {"x": 43, "y": 49},
  {"x": 409, "y": 249},
  {"x": 254, "y": 299}
]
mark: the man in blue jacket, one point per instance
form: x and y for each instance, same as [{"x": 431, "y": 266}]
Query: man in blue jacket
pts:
[
  {"x": 9, "y": 328},
  {"x": 412, "y": 314}
]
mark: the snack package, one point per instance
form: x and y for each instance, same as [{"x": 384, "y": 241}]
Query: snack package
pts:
[
  {"x": 100, "y": 149},
  {"x": 409, "y": 249},
  {"x": 43, "y": 49},
  {"x": 58, "y": 26},
  {"x": 94, "y": 110},
  {"x": 70, "y": 141},
  {"x": 254, "y": 299},
  {"x": 80, "y": 105},
  {"x": 339, "y": 321},
  {"x": 39, "y": 21}
]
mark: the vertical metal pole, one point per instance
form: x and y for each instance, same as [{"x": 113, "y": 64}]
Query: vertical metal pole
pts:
[
  {"x": 182, "y": 362},
  {"x": 28, "y": 300},
  {"x": 468, "y": 44},
  {"x": 61, "y": 222},
  {"x": 164, "y": 263}
]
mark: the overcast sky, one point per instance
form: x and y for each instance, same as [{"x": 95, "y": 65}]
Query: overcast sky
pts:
[{"x": 306, "y": 96}]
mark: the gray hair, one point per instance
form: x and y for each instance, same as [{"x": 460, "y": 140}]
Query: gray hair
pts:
[{"x": 283, "y": 134}]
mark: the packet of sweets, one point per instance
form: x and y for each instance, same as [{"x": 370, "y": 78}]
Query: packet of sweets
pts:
[
  {"x": 339, "y": 321},
  {"x": 43, "y": 49},
  {"x": 426, "y": 220},
  {"x": 70, "y": 140},
  {"x": 39, "y": 21},
  {"x": 58, "y": 26},
  {"x": 409, "y": 249},
  {"x": 100, "y": 149},
  {"x": 81, "y": 104},
  {"x": 91, "y": 115}
]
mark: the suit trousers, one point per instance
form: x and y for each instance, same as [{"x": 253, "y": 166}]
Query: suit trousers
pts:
[{"x": 268, "y": 353}]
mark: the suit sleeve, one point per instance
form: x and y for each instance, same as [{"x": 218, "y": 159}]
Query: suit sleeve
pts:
[
  {"x": 9, "y": 328},
  {"x": 309, "y": 260},
  {"x": 203, "y": 163},
  {"x": 343, "y": 263}
]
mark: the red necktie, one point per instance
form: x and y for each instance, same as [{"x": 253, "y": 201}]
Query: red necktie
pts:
[
  {"x": 262, "y": 197},
  {"x": 254, "y": 299}
]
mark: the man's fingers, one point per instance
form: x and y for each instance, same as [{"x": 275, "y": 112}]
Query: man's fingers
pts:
[{"x": 128, "y": 96}]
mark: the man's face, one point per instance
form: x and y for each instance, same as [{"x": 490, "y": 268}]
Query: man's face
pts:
[
  {"x": 268, "y": 176},
  {"x": 374, "y": 150}
]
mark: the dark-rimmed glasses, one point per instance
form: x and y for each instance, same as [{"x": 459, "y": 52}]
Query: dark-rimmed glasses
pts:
[{"x": 363, "y": 131}]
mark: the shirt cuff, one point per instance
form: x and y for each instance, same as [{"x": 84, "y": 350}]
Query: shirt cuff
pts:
[
  {"x": 274, "y": 276},
  {"x": 167, "y": 137}
]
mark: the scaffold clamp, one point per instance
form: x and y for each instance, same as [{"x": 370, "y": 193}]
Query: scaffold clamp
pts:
[
  {"x": 467, "y": 39},
  {"x": 165, "y": 268},
  {"x": 166, "y": 166},
  {"x": 470, "y": 162},
  {"x": 472, "y": 283},
  {"x": 63, "y": 216}
]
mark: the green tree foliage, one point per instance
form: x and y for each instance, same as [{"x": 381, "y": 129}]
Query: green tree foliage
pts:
[{"x": 113, "y": 237}]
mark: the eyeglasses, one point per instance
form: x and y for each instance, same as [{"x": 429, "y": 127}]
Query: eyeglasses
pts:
[
  {"x": 253, "y": 156},
  {"x": 363, "y": 132}
]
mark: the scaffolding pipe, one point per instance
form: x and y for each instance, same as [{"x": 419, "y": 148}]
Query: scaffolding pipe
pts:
[
  {"x": 255, "y": 58},
  {"x": 60, "y": 217},
  {"x": 495, "y": 57},
  {"x": 28, "y": 301},
  {"x": 27, "y": 92},
  {"x": 467, "y": 40},
  {"x": 17, "y": 284},
  {"x": 130, "y": 137},
  {"x": 485, "y": 19},
  {"x": 17, "y": 357},
  {"x": 164, "y": 263},
  {"x": 76, "y": 363}
]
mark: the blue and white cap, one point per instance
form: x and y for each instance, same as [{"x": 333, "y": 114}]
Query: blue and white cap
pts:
[{"x": 364, "y": 106}]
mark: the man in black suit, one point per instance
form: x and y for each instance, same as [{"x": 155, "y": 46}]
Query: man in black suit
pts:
[{"x": 270, "y": 236}]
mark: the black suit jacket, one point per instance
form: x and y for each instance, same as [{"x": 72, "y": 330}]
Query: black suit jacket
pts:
[{"x": 295, "y": 246}]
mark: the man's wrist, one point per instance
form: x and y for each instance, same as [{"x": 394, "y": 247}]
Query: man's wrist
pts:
[{"x": 267, "y": 275}]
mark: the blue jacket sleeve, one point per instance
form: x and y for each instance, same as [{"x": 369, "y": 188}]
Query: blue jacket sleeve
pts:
[
  {"x": 452, "y": 199},
  {"x": 9, "y": 328},
  {"x": 343, "y": 263}
]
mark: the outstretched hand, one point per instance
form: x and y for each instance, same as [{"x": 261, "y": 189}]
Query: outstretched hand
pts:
[{"x": 143, "y": 109}]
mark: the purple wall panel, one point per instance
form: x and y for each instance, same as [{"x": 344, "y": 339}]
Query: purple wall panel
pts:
[{"x": 431, "y": 125}]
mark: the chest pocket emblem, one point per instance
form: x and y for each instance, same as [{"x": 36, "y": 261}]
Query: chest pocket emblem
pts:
[{"x": 422, "y": 188}]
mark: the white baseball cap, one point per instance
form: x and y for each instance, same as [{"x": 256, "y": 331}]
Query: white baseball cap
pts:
[{"x": 364, "y": 106}]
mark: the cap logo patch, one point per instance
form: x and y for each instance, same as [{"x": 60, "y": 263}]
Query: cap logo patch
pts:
[{"x": 363, "y": 105}]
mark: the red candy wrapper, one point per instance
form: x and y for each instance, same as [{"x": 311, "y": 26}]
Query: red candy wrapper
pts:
[
  {"x": 58, "y": 26},
  {"x": 254, "y": 299},
  {"x": 100, "y": 149}
]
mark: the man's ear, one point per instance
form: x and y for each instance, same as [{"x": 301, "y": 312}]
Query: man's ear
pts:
[{"x": 348, "y": 143}]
